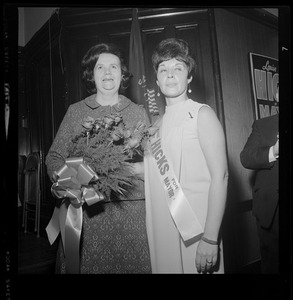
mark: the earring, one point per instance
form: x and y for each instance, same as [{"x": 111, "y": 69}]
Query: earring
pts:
[
  {"x": 189, "y": 89},
  {"x": 158, "y": 94}
]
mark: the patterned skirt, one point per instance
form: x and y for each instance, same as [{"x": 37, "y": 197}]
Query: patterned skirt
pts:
[{"x": 113, "y": 240}]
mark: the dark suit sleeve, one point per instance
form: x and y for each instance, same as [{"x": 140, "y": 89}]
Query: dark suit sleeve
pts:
[{"x": 255, "y": 154}]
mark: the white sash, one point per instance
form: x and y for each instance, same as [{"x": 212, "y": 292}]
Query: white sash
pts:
[{"x": 182, "y": 213}]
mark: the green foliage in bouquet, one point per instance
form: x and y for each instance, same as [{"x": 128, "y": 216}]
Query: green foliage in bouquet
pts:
[{"x": 108, "y": 147}]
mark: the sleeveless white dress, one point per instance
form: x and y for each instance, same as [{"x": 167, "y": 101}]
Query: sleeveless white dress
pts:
[{"x": 169, "y": 253}]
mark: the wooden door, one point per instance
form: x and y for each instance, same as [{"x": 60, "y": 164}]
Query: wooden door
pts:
[
  {"x": 44, "y": 97},
  {"x": 80, "y": 33},
  {"x": 193, "y": 27}
]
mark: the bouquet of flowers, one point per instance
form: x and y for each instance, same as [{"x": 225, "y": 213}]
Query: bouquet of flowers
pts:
[
  {"x": 98, "y": 164},
  {"x": 108, "y": 147}
]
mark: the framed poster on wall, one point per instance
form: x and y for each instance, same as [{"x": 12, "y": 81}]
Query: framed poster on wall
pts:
[{"x": 265, "y": 84}]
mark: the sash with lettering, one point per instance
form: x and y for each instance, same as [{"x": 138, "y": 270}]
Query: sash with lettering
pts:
[{"x": 182, "y": 213}]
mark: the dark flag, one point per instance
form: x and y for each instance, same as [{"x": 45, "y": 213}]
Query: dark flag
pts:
[{"x": 139, "y": 93}]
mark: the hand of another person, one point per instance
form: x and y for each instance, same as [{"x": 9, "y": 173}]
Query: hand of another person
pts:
[
  {"x": 206, "y": 257},
  {"x": 137, "y": 169},
  {"x": 276, "y": 148}
]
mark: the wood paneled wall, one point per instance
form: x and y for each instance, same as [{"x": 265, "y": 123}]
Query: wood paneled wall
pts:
[{"x": 237, "y": 35}]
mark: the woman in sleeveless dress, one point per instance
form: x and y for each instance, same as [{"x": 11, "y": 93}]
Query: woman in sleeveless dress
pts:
[{"x": 193, "y": 144}]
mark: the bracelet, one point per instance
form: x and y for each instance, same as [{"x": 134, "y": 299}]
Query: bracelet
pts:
[{"x": 211, "y": 242}]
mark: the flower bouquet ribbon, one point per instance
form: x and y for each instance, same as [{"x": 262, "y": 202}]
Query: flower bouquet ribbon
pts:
[{"x": 72, "y": 184}]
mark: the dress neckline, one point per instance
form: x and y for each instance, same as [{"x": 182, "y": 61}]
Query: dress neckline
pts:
[{"x": 175, "y": 107}]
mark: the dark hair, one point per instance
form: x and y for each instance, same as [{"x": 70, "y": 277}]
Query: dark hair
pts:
[
  {"x": 90, "y": 59},
  {"x": 173, "y": 48}
]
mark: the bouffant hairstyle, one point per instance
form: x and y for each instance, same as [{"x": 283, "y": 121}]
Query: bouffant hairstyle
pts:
[
  {"x": 173, "y": 48},
  {"x": 90, "y": 59}
]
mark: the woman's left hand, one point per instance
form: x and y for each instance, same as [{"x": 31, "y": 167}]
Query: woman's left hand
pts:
[{"x": 206, "y": 257}]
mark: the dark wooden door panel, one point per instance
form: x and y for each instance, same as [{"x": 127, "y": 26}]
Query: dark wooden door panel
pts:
[{"x": 193, "y": 26}]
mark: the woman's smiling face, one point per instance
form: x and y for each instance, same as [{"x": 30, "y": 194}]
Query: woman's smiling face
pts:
[
  {"x": 172, "y": 77},
  {"x": 107, "y": 73}
]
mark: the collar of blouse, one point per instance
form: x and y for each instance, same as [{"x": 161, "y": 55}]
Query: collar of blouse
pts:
[{"x": 123, "y": 103}]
